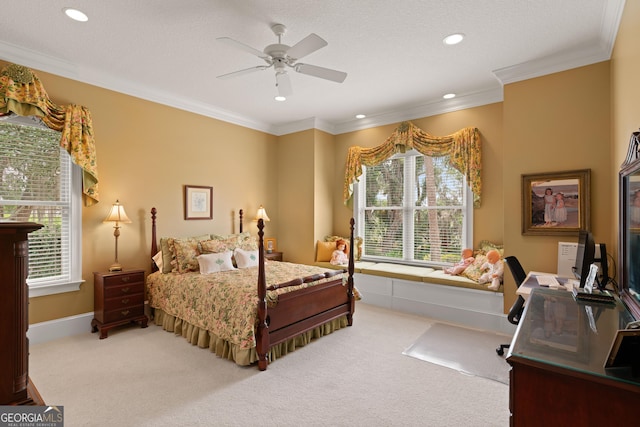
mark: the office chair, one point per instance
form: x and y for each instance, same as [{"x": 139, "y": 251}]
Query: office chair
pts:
[{"x": 518, "y": 307}]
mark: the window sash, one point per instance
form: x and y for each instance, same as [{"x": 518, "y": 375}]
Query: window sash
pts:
[
  {"x": 40, "y": 184},
  {"x": 405, "y": 226}
]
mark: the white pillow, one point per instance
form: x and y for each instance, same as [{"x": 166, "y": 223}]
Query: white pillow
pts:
[
  {"x": 213, "y": 263},
  {"x": 157, "y": 258},
  {"x": 246, "y": 259}
]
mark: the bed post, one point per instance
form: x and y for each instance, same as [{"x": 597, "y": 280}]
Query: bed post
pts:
[
  {"x": 240, "y": 213},
  {"x": 154, "y": 242},
  {"x": 352, "y": 299},
  {"x": 262, "y": 333}
]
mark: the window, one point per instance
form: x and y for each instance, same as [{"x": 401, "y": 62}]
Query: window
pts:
[
  {"x": 414, "y": 209},
  {"x": 40, "y": 184}
]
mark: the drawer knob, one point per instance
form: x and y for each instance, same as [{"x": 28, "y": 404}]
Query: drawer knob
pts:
[
  {"x": 125, "y": 279},
  {"x": 125, "y": 300},
  {"x": 125, "y": 312},
  {"x": 125, "y": 290}
]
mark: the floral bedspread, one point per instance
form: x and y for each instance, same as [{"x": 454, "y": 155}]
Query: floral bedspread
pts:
[{"x": 225, "y": 303}]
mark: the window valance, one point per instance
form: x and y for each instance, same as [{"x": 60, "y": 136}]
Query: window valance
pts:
[
  {"x": 22, "y": 93},
  {"x": 463, "y": 148}
]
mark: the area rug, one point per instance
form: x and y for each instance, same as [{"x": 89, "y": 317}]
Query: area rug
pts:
[{"x": 468, "y": 351}]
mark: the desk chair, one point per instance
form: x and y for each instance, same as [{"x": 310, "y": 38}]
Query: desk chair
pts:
[{"x": 518, "y": 307}]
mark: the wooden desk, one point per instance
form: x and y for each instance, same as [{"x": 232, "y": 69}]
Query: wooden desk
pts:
[{"x": 557, "y": 361}]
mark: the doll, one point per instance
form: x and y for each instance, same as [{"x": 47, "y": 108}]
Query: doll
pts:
[
  {"x": 466, "y": 260},
  {"x": 495, "y": 270},
  {"x": 340, "y": 255}
]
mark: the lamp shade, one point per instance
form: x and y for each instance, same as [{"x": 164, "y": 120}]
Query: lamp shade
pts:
[
  {"x": 262, "y": 214},
  {"x": 117, "y": 214}
]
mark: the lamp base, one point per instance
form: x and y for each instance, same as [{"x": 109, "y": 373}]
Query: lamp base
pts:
[{"x": 115, "y": 267}]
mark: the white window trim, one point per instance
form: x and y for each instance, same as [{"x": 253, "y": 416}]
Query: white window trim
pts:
[
  {"x": 43, "y": 288},
  {"x": 359, "y": 200}
]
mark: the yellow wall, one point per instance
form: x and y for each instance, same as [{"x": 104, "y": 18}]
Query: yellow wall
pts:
[
  {"x": 146, "y": 153},
  {"x": 488, "y": 218},
  {"x": 577, "y": 119},
  {"x": 554, "y": 123},
  {"x": 625, "y": 93}
]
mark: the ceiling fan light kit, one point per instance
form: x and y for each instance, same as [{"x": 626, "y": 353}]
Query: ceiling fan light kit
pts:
[{"x": 281, "y": 56}]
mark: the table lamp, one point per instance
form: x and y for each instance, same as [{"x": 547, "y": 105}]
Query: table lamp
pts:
[{"x": 118, "y": 216}]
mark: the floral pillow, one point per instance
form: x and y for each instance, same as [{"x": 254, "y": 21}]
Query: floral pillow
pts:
[
  {"x": 240, "y": 240},
  {"x": 186, "y": 251},
  {"x": 474, "y": 271},
  {"x": 168, "y": 253}
]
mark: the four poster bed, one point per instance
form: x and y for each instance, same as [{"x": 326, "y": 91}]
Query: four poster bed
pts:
[{"x": 255, "y": 311}]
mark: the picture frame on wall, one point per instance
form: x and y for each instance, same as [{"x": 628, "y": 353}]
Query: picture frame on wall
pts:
[
  {"x": 556, "y": 202},
  {"x": 198, "y": 202}
]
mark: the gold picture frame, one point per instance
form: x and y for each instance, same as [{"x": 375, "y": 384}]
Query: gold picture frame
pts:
[
  {"x": 556, "y": 202},
  {"x": 198, "y": 202},
  {"x": 270, "y": 245}
]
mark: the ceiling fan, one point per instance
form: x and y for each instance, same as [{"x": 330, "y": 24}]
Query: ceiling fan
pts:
[{"x": 280, "y": 57}]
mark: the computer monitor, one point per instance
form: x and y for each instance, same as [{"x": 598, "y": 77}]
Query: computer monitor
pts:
[{"x": 586, "y": 255}]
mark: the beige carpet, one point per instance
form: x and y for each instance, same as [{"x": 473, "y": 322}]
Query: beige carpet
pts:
[
  {"x": 354, "y": 377},
  {"x": 468, "y": 351}
]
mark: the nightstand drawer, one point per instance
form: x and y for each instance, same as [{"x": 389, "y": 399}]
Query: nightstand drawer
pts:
[
  {"x": 124, "y": 301},
  {"x": 123, "y": 313},
  {"x": 124, "y": 279},
  {"x": 126, "y": 289}
]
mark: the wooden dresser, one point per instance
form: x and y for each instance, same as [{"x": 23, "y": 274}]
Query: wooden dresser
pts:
[
  {"x": 14, "y": 321},
  {"x": 118, "y": 299}
]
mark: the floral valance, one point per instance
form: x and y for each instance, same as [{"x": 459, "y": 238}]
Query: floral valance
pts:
[
  {"x": 22, "y": 93},
  {"x": 463, "y": 148}
]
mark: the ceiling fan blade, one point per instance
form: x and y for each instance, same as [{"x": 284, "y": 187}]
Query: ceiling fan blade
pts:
[
  {"x": 243, "y": 72},
  {"x": 323, "y": 73},
  {"x": 307, "y": 45},
  {"x": 242, "y": 46},
  {"x": 283, "y": 83}
]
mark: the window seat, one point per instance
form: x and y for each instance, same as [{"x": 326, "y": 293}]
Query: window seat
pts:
[
  {"x": 431, "y": 293},
  {"x": 411, "y": 273}
]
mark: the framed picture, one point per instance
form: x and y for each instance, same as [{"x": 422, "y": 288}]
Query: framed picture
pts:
[
  {"x": 556, "y": 203},
  {"x": 198, "y": 202},
  {"x": 270, "y": 245}
]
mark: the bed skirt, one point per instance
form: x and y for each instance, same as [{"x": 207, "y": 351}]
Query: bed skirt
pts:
[{"x": 223, "y": 348}]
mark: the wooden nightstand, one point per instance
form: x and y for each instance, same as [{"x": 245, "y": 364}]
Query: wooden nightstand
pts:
[
  {"x": 273, "y": 256},
  {"x": 118, "y": 299}
]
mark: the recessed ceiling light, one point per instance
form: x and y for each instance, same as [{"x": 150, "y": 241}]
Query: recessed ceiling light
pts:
[
  {"x": 360, "y": 116},
  {"x": 449, "y": 95},
  {"x": 453, "y": 38},
  {"x": 280, "y": 98},
  {"x": 75, "y": 14}
]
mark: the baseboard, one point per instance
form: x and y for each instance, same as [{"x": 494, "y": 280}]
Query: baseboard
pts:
[{"x": 59, "y": 328}]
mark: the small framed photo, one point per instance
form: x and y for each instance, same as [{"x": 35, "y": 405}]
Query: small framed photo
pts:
[
  {"x": 270, "y": 245},
  {"x": 198, "y": 202},
  {"x": 556, "y": 203}
]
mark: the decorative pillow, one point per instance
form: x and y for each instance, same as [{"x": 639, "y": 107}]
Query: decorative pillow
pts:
[
  {"x": 240, "y": 240},
  {"x": 168, "y": 254},
  {"x": 324, "y": 251},
  {"x": 474, "y": 271},
  {"x": 157, "y": 258},
  {"x": 358, "y": 245},
  {"x": 245, "y": 259},
  {"x": 485, "y": 246},
  {"x": 213, "y": 246},
  {"x": 186, "y": 254},
  {"x": 213, "y": 263}
]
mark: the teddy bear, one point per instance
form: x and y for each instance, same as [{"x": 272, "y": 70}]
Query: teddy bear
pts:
[
  {"x": 495, "y": 270},
  {"x": 460, "y": 266}
]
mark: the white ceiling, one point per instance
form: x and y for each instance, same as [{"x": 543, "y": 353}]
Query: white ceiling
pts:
[{"x": 398, "y": 67}]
